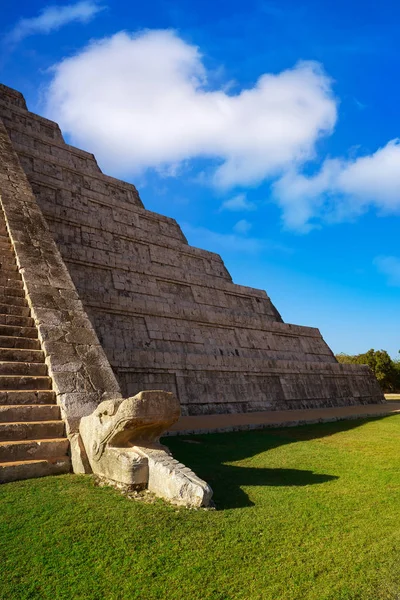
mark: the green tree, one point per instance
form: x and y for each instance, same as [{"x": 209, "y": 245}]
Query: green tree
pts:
[{"x": 386, "y": 370}]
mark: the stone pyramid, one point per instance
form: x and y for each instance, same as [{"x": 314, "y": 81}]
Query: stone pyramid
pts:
[{"x": 167, "y": 315}]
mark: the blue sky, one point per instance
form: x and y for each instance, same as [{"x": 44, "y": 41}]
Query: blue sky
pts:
[{"x": 267, "y": 129}]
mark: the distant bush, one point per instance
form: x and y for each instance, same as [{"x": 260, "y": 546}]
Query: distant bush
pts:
[{"x": 386, "y": 370}]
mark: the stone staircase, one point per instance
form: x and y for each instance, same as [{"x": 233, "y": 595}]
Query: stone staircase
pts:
[{"x": 32, "y": 434}]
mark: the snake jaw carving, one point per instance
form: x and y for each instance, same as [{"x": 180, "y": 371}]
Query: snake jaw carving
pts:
[{"x": 121, "y": 439}]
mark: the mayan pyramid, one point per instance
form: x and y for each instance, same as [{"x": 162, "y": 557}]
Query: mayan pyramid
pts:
[{"x": 165, "y": 315}]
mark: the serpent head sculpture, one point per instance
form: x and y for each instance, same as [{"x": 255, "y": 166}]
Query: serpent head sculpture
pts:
[{"x": 121, "y": 439}]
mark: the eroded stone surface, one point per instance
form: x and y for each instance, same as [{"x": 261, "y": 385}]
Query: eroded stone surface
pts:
[{"x": 172, "y": 481}]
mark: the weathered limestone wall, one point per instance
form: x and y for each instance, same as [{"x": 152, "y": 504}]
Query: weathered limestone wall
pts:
[{"x": 168, "y": 315}]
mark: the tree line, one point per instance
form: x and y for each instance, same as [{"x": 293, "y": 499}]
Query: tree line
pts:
[{"x": 387, "y": 370}]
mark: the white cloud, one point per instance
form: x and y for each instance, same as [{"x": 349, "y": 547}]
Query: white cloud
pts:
[
  {"x": 203, "y": 237},
  {"x": 144, "y": 101},
  {"x": 342, "y": 189},
  {"x": 389, "y": 266},
  {"x": 222, "y": 242},
  {"x": 242, "y": 227},
  {"x": 54, "y": 17},
  {"x": 141, "y": 101},
  {"x": 238, "y": 203}
]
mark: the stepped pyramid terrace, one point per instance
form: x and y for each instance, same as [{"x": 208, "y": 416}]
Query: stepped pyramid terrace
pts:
[{"x": 103, "y": 301}]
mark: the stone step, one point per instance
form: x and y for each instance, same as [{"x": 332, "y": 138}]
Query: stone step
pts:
[
  {"x": 7, "y": 253},
  {"x": 7, "y": 309},
  {"x": 11, "y": 278},
  {"x": 28, "y": 469},
  {"x": 21, "y": 355},
  {"x": 15, "y": 382},
  {"x": 22, "y": 368},
  {"x": 7, "y": 264},
  {"x": 14, "y": 413},
  {"x": 21, "y": 397},
  {"x": 5, "y": 242},
  {"x": 19, "y": 342},
  {"x": 31, "y": 430},
  {"x": 8, "y": 271},
  {"x": 32, "y": 442},
  {"x": 16, "y": 320},
  {"x": 8, "y": 291},
  {"x": 33, "y": 449},
  {"x": 6, "y": 248},
  {"x": 13, "y": 300},
  {"x": 16, "y": 331}
]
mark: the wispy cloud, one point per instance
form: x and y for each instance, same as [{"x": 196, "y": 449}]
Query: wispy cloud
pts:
[
  {"x": 390, "y": 267},
  {"x": 238, "y": 203},
  {"x": 222, "y": 242},
  {"x": 230, "y": 242},
  {"x": 242, "y": 227},
  {"x": 342, "y": 190},
  {"x": 54, "y": 17},
  {"x": 360, "y": 105},
  {"x": 274, "y": 10}
]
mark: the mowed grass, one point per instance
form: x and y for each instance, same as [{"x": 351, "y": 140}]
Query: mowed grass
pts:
[{"x": 308, "y": 512}]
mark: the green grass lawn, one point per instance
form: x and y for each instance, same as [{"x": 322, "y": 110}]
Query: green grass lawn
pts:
[{"x": 308, "y": 512}]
